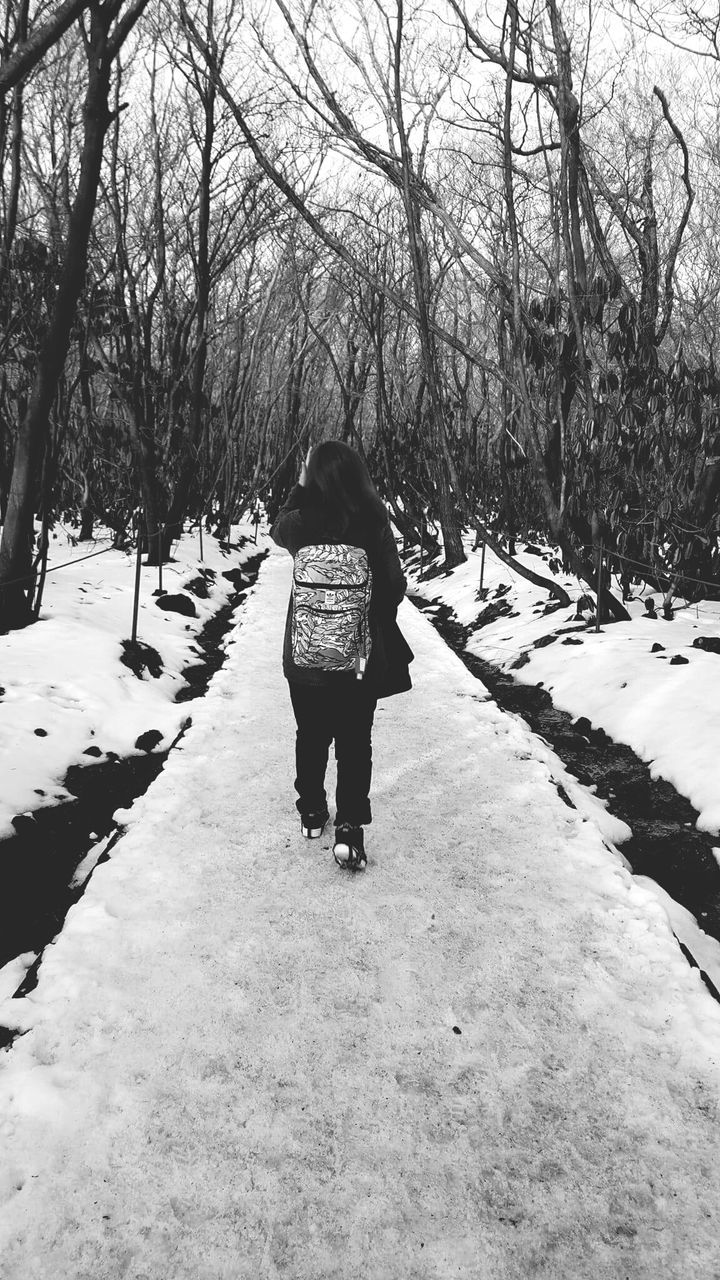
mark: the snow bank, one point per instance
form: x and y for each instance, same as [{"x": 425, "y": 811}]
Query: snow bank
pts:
[
  {"x": 64, "y": 688},
  {"x": 669, "y": 713}
]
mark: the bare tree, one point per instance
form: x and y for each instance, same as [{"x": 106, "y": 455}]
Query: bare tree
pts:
[{"x": 109, "y": 26}]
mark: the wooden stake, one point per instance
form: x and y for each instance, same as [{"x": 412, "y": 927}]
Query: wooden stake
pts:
[
  {"x": 44, "y": 545},
  {"x": 160, "y": 559},
  {"x": 599, "y": 587},
  {"x": 138, "y": 566}
]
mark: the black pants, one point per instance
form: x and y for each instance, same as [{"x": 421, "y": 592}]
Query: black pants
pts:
[{"x": 343, "y": 713}]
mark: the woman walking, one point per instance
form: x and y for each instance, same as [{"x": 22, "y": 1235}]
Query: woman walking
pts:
[{"x": 343, "y": 649}]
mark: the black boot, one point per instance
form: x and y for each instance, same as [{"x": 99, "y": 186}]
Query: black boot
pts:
[
  {"x": 312, "y": 825},
  {"x": 349, "y": 847}
]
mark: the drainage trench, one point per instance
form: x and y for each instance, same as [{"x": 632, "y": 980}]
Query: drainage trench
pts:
[
  {"x": 46, "y": 864},
  {"x": 665, "y": 844}
]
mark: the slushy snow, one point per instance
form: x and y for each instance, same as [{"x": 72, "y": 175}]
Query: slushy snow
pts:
[{"x": 485, "y": 1057}]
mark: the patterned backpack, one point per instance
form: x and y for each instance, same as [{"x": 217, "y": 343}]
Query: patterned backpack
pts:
[{"x": 331, "y": 605}]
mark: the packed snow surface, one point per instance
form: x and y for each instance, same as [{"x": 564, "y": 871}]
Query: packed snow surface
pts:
[{"x": 485, "y": 1057}]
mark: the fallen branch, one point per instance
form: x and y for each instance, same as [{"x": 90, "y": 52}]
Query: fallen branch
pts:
[{"x": 547, "y": 584}]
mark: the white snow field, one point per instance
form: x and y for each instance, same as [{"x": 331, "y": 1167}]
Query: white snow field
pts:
[
  {"x": 63, "y": 679},
  {"x": 669, "y": 714},
  {"x": 485, "y": 1057}
]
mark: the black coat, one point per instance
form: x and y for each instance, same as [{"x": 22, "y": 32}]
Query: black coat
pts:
[{"x": 300, "y": 524}]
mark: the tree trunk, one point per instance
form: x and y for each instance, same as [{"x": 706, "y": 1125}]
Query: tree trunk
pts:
[
  {"x": 547, "y": 584},
  {"x": 198, "y": 402},
  {"x": 143, "y": 442},
  {"x": 30, "y": 50},
  {"x": 15, "y": 149},
  {"x": 449, "y": 503},
  {"x": 383, "y": 419},
  {"x": 17, "y": 539}
]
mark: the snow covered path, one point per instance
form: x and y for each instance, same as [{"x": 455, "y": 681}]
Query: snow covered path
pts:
[{"x": 484, "y": 1058}]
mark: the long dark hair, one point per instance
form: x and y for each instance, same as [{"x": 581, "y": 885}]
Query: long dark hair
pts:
[{"x": 339, "y": 484}]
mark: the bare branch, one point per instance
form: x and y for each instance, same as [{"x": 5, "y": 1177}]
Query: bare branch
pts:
[
  {"x": 27, "y": 55},
  {"x": 125, "y": 26},
  {"x": 474, "y": 41},
  {"x": 690, "y": 196}
]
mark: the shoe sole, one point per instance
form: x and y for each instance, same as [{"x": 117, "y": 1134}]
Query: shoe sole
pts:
[{"x": 312, "y": 833}]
